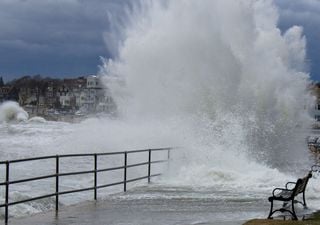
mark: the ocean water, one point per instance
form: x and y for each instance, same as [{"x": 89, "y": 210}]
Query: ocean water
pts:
[
  {"x": 218, "y": 79},
  {"x": 226, "y": 190}
]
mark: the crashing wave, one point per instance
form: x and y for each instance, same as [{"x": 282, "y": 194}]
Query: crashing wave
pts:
[
  {"x": 223, "y": 71},
  {"x": 11, "y": 111},
  {"x": 37, "y": 119}
]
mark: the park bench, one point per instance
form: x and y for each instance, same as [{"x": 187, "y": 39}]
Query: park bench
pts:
[{"x": 289, "y": 194}]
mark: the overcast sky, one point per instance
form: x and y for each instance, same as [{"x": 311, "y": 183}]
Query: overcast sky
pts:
[{"x": 65, "y": 38}]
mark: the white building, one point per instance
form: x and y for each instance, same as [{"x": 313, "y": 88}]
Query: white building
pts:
[
  {"x": 96, "y": 97},
  {"x": 86, "y": 94},
  {"x": 94, "y": 82}
]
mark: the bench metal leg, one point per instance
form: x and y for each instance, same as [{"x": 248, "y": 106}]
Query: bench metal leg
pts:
[
  {"x": 282, "y": 210},
  {"x": 293, "y": 211},
  {"x": 271, "y": 212},
  {"x": 304, "y": 201}
]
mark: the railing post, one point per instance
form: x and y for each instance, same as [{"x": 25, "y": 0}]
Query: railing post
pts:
[
  {"x": 7, "y": 193},
  {"x": 95, "y": 176},
  {"x": 125, "y": 171},
  {"x": 168, "y": 159},
  {"x": 149, "y": 166},
  {"x": 57, "y": 182}
]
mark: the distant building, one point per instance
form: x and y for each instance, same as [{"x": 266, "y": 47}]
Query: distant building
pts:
[
  {"x": 85, "y": 94},
  {"x": 95, "y": 97},
  {"x": 94, "y": 82},
  {"x": 93, "y": 94},
  {"x": 27, "y": 96},
  {"x": 4, "y": 93},
  {"x": 50, "y": 95},
  {"x": 65, "y": 97},
  {"x": 69, "y": 93},
  {"x": 9, "y": 93}
]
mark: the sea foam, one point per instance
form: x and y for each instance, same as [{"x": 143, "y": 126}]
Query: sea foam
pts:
[{"x": 11, "y": 111}]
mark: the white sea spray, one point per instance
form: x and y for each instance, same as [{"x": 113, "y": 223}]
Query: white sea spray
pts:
[
  {"x": 217, "y": 77},
  {"x": 11, "y": 111}
]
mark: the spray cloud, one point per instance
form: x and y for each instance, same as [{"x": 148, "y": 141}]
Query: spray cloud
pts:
[{"x": 219, "y": 75}]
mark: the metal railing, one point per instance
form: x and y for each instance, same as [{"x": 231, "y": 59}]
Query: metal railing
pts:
[{"x": 94, "y": 171}]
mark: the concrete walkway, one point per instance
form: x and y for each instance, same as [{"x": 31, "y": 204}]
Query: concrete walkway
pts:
[
  {"x": 137, "y": 209},
  {"x": 109, "y": 213}
]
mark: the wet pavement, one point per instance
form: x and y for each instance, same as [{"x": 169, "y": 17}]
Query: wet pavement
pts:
[
  {"x": 105, "y": 212},
  {"x": 128, "y": 208}
]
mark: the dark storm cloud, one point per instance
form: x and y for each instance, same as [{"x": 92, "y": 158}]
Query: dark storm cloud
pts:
[
  {"x": 66, "y": 37},
  {"x": 54, "y": 37},
  {"x": 305, "y": 13}
]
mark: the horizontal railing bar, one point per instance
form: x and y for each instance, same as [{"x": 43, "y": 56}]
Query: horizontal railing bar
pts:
[
  {"x": 131, "y": 180},
  {"x": 109, "y": 169},
  {"x": 32, "y": 179},
  {"x": 109, "y": 185},
  {"x": 138, "y": 178},
  {"x": 30, "y": 199},
  {"x": 82, "y": 155},
  {"x": 155, "y": 175},
  {"x": 76, "y": 155},
  {"x": 131, "y": 165},
  {"x": 137, "y": 164},
  {"x": 110, "y": 153},
  {"x": 146, "y": 150},
  {"x": 76, "y": 173},
  {"x": 138, "y": 151},
  {"x": 142, "y": 178},
  {"x": 49, "y": 195},
  {"x": 113, "y": 153},
  {"x": 106, "y": 185},
  {"x": 161, "y": 149},
  {"x": 29, "y": 159},
  {"x": 159, "y": 161},
  {"x": 76, "y": 190}
]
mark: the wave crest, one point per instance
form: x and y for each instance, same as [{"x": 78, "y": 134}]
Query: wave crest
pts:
[{"x": 11, "y": 111}]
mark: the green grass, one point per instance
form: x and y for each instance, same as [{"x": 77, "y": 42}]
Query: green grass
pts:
[{"x": 313, "y": 220}]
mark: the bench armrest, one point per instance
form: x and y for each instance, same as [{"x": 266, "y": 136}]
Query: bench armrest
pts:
[
  {"x": 276, "y": 191},
  {"x": 293, "y": 184},
  {"x": 281, "y": 192}
]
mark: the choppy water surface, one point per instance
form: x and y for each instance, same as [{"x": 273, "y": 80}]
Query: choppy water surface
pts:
[{"x": 211, "y": 192}]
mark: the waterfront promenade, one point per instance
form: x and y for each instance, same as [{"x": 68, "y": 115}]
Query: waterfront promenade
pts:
[{"x": 129, "y": 208}]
